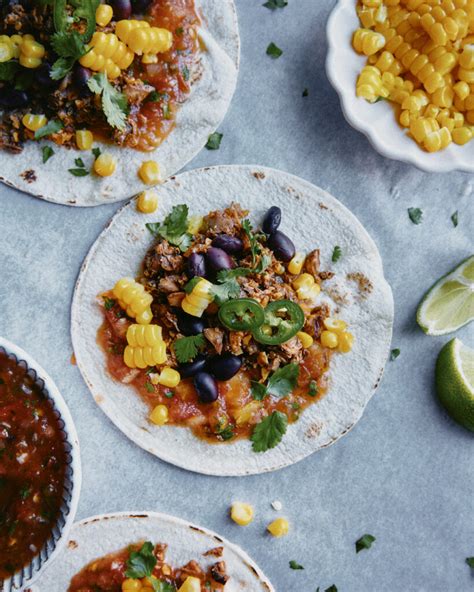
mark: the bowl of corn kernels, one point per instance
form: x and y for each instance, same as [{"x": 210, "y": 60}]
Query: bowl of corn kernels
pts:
[{"x": 404, "y": 71}]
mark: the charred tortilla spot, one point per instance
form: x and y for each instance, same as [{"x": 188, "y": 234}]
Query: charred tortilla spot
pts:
[{"x": 29, "y": 176}]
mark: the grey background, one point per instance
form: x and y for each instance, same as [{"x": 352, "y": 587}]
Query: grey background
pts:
[{"x": 405, "y": 473}]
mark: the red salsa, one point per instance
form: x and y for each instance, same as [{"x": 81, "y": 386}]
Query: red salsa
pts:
[{"x": 32, "y": 467}]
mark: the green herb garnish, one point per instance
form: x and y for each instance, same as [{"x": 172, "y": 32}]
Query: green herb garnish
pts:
[
  {"x": 8, "y": 71},
  {"x": 226, "y": 433},
  {"x": 149, "y": 387},
  {"x": 185, "y": 73},
  {"x": 79, "y": 162},
  {"x": 78, "y": 172},
  {"x": 226, "y": 290},
  {"x": 187, "y": 348},
  {"x": 280, "y": 383},
  {"x": 47, "y": 153},
  {"x": 193, "y": 282},
  {"x": 273, "y": 4},
  {"x": 394, "y": 354},
  {"x": 295, "y": 565},
  {"x": 96, "y": 152},
  {"x": 254, "y": 244},
  {"x": 141, "y": 563},
  {"x": 336, "y": 254},
  {"x": 114, "y": 103},
  {"x": 305, "y": 93},
  {"x": 174, "y": 228},
  {"x": 313, "y": 389},
  {"x": 51, "y": 127},
  {"x": 269, "y": 432},
  {"x": 415, "y": 215},
  {"x": 331, "y": 589},
  {"x": 365, "y": 542},
  {"x": 455, "y": 219},
  {"x": 470, "y": 562},
  {"x": 214, "y": 141},
  {"x": 274, "y": 51}
]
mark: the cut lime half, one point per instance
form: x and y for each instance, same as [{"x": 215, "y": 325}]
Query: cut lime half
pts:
[
  {"x": 449, "y": 304},
  {"x": 455, "y": 382}
]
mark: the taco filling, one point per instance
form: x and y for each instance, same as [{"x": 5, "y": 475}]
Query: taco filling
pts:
[
  {"x": 142, "y": 568},
  {"x": 226, "y": 331},
  {"x": 72, "y": 71}
]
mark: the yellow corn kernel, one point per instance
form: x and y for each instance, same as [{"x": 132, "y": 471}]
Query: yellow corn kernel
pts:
[
  {"x": 29, "y": 62},
  {"x": 305, "y": 338},
  {"x": 105, "y": 165},
  {"x": 462, "y": 135},
  {"x": 191, "y": 310},
  {"x": 169, "y": 377},
  {"x": 144, "y": 335},
  {"x": 133, "y": 298},
  {"x": 159, "y": 415},
  {"x": 103, "y": 14},
  {"x": 195, "y": 224},
  {"x": 149, "y": 58},
  {"x": 241, "y": 513},
  {"x": 305, "y": 280},
  {"x": 245, "y": 414},
  {"x": 368, "y": 42},
  {"x": 147, "y": 202},
  {"x": 34, "y": 122},
  {"x": 6, "y": 49},
  {"x": 329, "y": 339},
  {"x": 84, "y": 139},
  {"x": 191, "y": 584},
  {"x": 279, "y": 527},
  {"x": 32, "y": 49},
  {"x": 335, "y": 325},
  {"x": 296, "y": 264},
  {"x": 130, "y": 585},
  {"x": 149, "y": 172},
  {"x": 346, "y": 340},
  {"x": 438, "y": 140}
]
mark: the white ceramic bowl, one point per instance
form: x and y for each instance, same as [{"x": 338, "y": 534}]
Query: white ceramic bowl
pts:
[
  {"x": 378, "y": 121},
  {"x": 72, "y": 485}
]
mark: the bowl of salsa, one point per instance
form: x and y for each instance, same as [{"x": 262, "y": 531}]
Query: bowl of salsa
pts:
[{"x": 40, "y": 473}]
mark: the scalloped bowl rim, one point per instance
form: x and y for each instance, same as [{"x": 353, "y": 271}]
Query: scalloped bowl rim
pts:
[
  {"x": 433, "y": 163},
  {"x": 72, "y": 438}
]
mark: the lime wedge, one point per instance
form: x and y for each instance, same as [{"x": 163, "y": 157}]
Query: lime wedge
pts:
[
  {"x": 449, "y": 304},
  {"x": 455, "y": 382}
]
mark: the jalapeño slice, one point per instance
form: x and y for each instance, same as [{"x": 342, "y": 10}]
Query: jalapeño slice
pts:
[
  {"x": 283, "y": 320},
  {"x": 242, "y": 314}
]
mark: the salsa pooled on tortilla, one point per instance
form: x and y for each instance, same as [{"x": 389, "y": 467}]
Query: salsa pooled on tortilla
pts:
[
  {"x": 225, "y": 331},
  {"x": 72, "y": 71},
  {"x": 142, "y": 568}
]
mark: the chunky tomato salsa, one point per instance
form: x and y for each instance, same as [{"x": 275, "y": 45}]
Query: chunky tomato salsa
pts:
[
  {"x": 32, "y": 467},
  {"x": 142, "y": 567},
  {"x": 226, "y": 331}
]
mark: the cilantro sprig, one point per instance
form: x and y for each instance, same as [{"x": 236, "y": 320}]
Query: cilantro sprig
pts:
[
  {"x": 187, "y": 348},
  {"x": 114, "y": 103},
  {"x": 280, "y": 383},
  {"x": 365, "y": 542},
  {"x": 174, "y": 228},
  {"x": 269, "y": 432},
  {"x": 255, "y": 246},
  {"x": 141, "y": 564},
  {"x": 53, "y": 126}
]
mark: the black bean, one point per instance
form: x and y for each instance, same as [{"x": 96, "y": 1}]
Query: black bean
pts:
[
  {"x": 271, "y": 220},
  {"x": 191, "y": 368},
  {"x": 224, "y": 367},
  {"x": 189, "y": 325},
  {"x": 10, "y": 98},
  {"x": 229, "y": 244},
  {"x": 122, "y": 9},
  {"x": 217, "y": 259},
  {"x": 196, "y": 265},
  {"x": 282, "y": 246},
  {"x": 206, "y": 387},
  {"x": 140, "y": 6}
]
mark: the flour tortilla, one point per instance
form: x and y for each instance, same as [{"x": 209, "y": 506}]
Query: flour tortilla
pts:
[
  {"x": 313, "y": 219},
  {"x": 98, "y": 536},
  {"x": 197, "y": 118}
]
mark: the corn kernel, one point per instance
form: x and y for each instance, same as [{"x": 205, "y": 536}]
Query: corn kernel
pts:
[
  {"x": 149, "y": 172},
  {"x": 191, "y": 584},
  {"x": 335, "y": 325},
  {"x": 34, "y": 122},
  {"x": 103, "y": 14},
  {"x": 195, "y": 224},
  {"x": 29, "y": 62},
  {"x": 304, "y": 280},
  {"x": 305, "y": 338},
  {"x": 242, "y": 513},
  {"x": 296, "y": 264},
  {"x": 147, "y": 202},
  {"x": 6, "y": 50},
  {"x": 159, "y": 415},
  {"x": 462, "y": 135},
  {"x": 105, "y": 165},
  {"x": 32, "y": 49},
  {"x": 329, "y": 339},
  {"x": 169, "y": 377},
  {"x": 84, "y": 139},
  {"x": 130, "y": 585},
  {"x": 346, "y": 341},
  {"x": 279, "y": 527}
]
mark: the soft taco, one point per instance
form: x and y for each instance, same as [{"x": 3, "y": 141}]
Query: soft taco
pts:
[
  {"x": 149, "y": 552},
  {"x": 241, "y": 327},
  {"x": 99, "y": 100}
]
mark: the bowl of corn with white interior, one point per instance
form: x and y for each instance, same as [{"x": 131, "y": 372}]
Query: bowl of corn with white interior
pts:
[{"x": 404, "y": 71}]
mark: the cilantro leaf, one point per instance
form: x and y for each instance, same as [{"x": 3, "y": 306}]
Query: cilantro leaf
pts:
[
  {"x": 273, "y": 4},
  {"x": 455, "y": 219},
  {"x": 269, "y": 432},
  {"x": 283, "y": 380},
  {"x": 274, "y": 51},
  {"x": 61, "y": 67},
  {"x": 415, "y": 215},
  {"x": 8, "y": 70},
  {"x": 78, "y": 172},
  {"x": 227, "y": 274},
  {"x": 226, "y": 291},
  {"x": 174, "y": 228},
  {"x": 70, "y": 47},
  {"x": 470, "y": 562},
  {"x": 114, "y": 103},
  {"x": 295, "y": 565},
  {"x": 254, "y": 244},
  {"x": 161, "y": 586},
  {"x": 47, "y": 153},
  {"x": 187, "y": 348},
  {"x": 53, "y": 126},
  {"x": 79, "y": 162},
  {"x": 141, "y": 563},
  {"x": 96, "y": 152},
  {"x": 109, "y": 303},
  {"x": 259, "y": 390},
  {"x": 336, "y": 254},
  {"x": 226, "y": 433},
  {"x": 214, "y": 141},
  {"x": 394, "y": 354},
  {"x": 331, "y": 589},
  {"x": 365, "y": 542}
]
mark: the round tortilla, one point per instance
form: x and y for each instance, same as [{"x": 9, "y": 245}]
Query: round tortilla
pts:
[
  {"x": 358, "y": 294},
  {"x": 197, "y": 118},
  {"x": 100, "y": 535}
]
